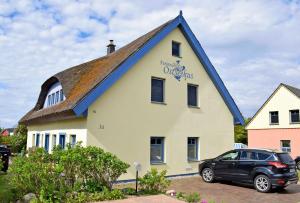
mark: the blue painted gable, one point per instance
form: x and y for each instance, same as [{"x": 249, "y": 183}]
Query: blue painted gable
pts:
[{"x": 179, "y": 22}]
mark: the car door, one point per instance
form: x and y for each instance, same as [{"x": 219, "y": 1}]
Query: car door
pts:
[
  {"x": 225, "y": 165},
  {"x": 245, "y": 165}
]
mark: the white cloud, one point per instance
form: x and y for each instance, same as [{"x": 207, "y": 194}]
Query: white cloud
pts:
[{"x": 254, "y": 45}]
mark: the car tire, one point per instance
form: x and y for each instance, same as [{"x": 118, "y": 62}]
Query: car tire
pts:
[
  {"x": 298, "y": 165},
  {"x": 262, "y": 183},
  {"x": 208, "y": 175}
]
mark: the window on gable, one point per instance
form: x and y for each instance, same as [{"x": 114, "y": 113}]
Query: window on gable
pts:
[
  {"x": 294, "y": 116},
  {"x": 175, "y": 49},
  {"x": 157, "y": 90},
  {"x": 157, "y": 150},
  {"x": 192, "y": 95},
  {"x": 274, "y": 117}
]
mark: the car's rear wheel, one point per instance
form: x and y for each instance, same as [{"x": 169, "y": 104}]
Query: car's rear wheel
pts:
[
  {"x": 208, "y": 175},
  {"x": 262, "y": 183},
  {"x": 298, "y": 165}
]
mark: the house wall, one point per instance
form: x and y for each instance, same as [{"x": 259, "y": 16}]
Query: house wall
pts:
[
  {"x": 5, "y": 133},
  {"x": 69, "y": 127},
  {"x": 123, "y": 119},
  {"x": 282, "y": 101},
  {"x": 270, "y": 138}
]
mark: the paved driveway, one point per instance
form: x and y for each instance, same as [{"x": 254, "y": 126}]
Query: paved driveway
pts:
[
  {"x": 147, "y": 199},
  {"x": 233, "y": 193}
]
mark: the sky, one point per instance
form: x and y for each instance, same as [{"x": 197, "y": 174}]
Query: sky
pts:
[{"x": 254, "y": 45}]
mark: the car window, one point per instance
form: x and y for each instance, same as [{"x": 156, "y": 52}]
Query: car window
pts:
[
  {"x": 230, "y": 156},
  {"x": 272, "y": 157},
  {"x": 248, "y": 155},
  {"x": 263, "y": 156},
  {"x": 245, "y": 155},
  {"x": 285, "y": 157}
]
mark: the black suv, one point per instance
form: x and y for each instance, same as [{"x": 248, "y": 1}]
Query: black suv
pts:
[
  {"x": 4, "y": 155},
  {"x": 265, "y": 169}
]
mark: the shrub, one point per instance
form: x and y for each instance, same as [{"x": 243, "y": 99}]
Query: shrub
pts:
[
  {"x": 17, "y": 142},
  {"x": 193, "y": 197},
  {"x": 180, "y": 196},
  {"x": 91, "y": 165},
  {"x": 154, "y": 182},
  {"x": 1, "y": 163},
  {"x": 37, "y": 174},
  {"x": 52, "y": 176},
  {"x": 129, "y": 191},
  {"x": 97, "y": 196}
]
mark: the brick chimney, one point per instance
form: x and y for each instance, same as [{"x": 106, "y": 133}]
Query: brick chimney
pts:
[{"x": 111, "y": 47}]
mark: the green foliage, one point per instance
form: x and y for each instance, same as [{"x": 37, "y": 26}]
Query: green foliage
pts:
[
  {"x": 7, "y": 193},
  {"x": 154, "y": 182},
  {"x": 17, "y": 141},
  {"x": 180, "y": 196},
  {"x": 52, "y": 176},
  {"x": 1, "y": 163},
  {"x": 91, "y": 165},
  {"x": 240, "y": 133},
  {"x": 129, "y": 191},
  {"x": 97, "y": 196},
  {"x": 37, "y": 174},
  {"x": 192, "y": 198}
]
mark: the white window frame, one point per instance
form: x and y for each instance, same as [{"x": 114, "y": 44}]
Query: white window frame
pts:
[{"x": 285, "y": 149}]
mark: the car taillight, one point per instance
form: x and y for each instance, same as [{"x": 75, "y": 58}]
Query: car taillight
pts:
[{"x": 277, "y": 164}]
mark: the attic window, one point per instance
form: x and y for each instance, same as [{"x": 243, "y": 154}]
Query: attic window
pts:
[
  {"x": 54, "y": 96},
  {"x": 175, "y": 49}
]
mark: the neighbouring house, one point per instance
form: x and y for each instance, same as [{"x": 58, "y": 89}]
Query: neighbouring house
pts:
[
  {"x": 157, "y": 101},
  {"x": 276, "y": 125},
  {"x": 7, "y": 132}
]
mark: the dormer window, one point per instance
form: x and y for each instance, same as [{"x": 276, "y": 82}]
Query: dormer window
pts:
[{"x": 55, "y": 95}]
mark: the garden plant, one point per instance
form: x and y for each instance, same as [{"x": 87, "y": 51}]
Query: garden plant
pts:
[{"x": 75, "y": 174}]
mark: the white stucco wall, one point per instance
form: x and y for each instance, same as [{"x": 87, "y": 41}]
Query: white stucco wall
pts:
[
  {"x": 124, "y": 119},
  {"x": 69, "y": 127},
  {"x": 283, "y": 100}
]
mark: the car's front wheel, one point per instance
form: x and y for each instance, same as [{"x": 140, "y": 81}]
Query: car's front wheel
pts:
[
  {"x": 262, "y": 183},
  {"x": 208, "y": 175}
]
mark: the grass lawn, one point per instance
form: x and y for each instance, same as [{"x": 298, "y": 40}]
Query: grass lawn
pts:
[{"x": 6, "y": 194}]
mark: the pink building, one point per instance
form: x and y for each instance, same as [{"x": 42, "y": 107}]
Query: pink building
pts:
[{"x": 276, "y": 125}]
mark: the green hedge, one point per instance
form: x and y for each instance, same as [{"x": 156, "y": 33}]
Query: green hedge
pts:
[{"x": 54, "y": 177}]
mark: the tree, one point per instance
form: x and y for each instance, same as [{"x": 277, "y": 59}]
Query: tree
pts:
[
  {"x": 240, "y": 133},
  {"x": 18, "y": 140}
]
